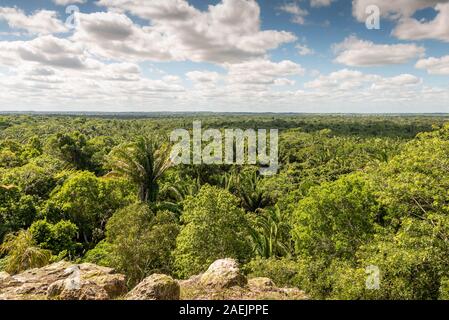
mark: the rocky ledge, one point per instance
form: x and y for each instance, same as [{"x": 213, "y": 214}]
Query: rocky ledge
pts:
[{"x": 66, "y": 281}]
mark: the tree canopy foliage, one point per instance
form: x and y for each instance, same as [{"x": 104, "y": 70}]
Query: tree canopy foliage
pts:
[{"x": 354, "y": 195}]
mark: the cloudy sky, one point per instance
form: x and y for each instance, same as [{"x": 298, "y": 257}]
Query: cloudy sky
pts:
[{"x": 224, "y": 55}]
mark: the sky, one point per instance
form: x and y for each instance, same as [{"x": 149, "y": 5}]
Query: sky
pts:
[{"x": 305, "y": 56}]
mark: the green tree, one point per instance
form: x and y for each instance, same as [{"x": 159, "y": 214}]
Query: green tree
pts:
[
  {"x": 141, "y": 241},
  {"x": 10, "y": 154},
  {"x": 336, "y": 218},
  {"x": 415, "y": 183},
  {"x": 17, "y": 210},
  {"x": 60, "y": 238},
  {"x": 412, "y": 264},
  {"x": 215, "y": 227},
  {"x": 88, "y": 202},
  {"x": 32, "y": 179},
  {"x": 73, "y": 149},
  {"x": 271, "y": 233},
  {"x": 248, "y": 185}
]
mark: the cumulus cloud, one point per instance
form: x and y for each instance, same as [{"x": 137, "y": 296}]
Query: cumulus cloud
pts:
[
  {"x": 115, "y": 36},
  {"x": 40, "y": 22},
  {"x": 438, "y": 28},
  {"x": 203, "y": 76},
  {"x": 174, "y": 10},
  {"x": 57, "y": 72},
  {"x": 361, "y": 53},
  {"x": 284, "y": 82},
  {"x": 344, "y": 78},
  {"x": 99, "y": 64},
  {"x": 438, "y": 66},
  {"x": 46, "y": 50},
  {"x": 348, "y": 80},
  {"x": 320, "y": 3},
  {"x": 67, "y": 2},
  {"x": 304, "y": 50},
  {"x": 372, "y": 92},
  {"x": 298, "y": 14},
  {"x": 402, "y": 11},
  {"x": 401, "y": 81},
  {"x": 262, "y": 72},
  {"x": 226, "y": 32},
  {"x": 392, "y": 9}
]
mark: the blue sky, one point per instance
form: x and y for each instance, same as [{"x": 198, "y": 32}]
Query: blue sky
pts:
[{"x": 227, "y": 55}]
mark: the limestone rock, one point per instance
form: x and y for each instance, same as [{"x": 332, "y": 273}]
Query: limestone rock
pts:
[
  {"x": 155, "y": 287},
  {"x": 261, "y": 284},
  {"x": 63, "y": 280},
  {"x": 4, "y": 276},
  {"x": 224, "y": 273},
  {"x": 88, "y": 282}
]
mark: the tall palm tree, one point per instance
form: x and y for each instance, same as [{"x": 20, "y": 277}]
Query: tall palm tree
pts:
[
  {"x": 249, "y": 190},
  {"x": 271, "y": 233},
  {"x": 143, "y": 162}
]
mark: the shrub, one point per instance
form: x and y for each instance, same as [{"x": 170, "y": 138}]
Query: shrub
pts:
[
  {"x": 283, "y": 272},
  {"x": 444, "y": 289},
  {"x": 101, "y": 254}
]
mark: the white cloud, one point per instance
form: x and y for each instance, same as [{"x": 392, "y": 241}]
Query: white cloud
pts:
[
  {"x": 392, "y": 9},
  {"x": 284, "y": 82},
  {"x": 401, "y": 81},
  {"x": 354, "y": 91},
  {"x": 100, "y": 64},
  {"x": 203, "y": 76},
  {"x": 158, "y": 10},
  {"x": 262, "y": 72},
  {"x": 438, "y": 28},
  {"x": 46, "y": 50},
  {"x": 40, "y": 22},
  {"x": 298, "y": 14},
  {"x": 402, "y": 11},
  {"x": 228, "y": 32},
  {"x": 73, "y": 71},
  {"x": 115, "y": 36},
  {"x": 67, "y": 2},
  {"x": 349, "y": 80},
  {"x": 439, "y": 66},
  {"x": 39, "y": 75},
  {"x": 304, "y": 50},
  {"x": 355, "y": 52},
  {"x": 320, "y": 3},
  {"x": 340, "y": 79}
]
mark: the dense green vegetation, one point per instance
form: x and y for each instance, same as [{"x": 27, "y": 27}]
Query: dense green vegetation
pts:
[{"x": 352, "y": 192}]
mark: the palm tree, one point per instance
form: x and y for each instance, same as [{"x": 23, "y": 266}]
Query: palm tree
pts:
[
  {"x": 23, "y": 253},
  {"x": 183, "y": 189},
  {"x": 143, "y": 162},
  {"x": 249, "y": 190},
  {"x": 271, "y": 233}
]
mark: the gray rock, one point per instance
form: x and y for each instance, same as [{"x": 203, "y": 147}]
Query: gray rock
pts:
[
  {"x": 64, "y": 280},
  {"x": 261, "y": 284},
  {"x": 4, "y": 276},
  {"x": 224, "y": 273},
  {"x": 155, "y": 287}
]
